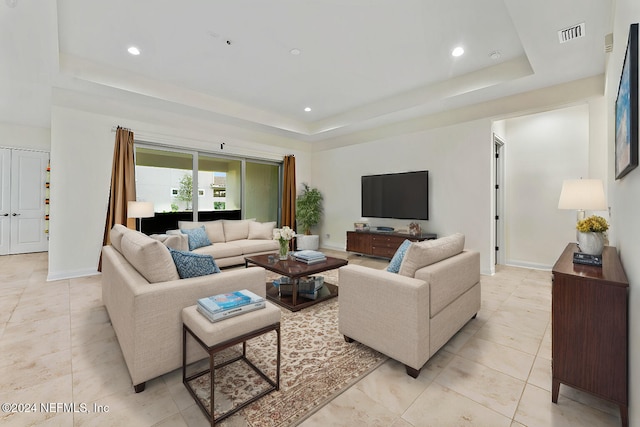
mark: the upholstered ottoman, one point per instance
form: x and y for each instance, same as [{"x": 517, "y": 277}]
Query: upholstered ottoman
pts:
[{"x": 214, "y": 337}]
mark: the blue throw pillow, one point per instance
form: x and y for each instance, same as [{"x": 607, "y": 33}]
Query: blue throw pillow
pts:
[
  {"x": 189, "y": 264},
  {"x": 197, "y": 237},
  {"x": 396, "y": 261}
]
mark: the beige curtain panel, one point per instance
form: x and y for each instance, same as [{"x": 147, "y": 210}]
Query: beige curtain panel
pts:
[
  {"x": 123, "y": 184},
  {"x": 289, "y": 193}
]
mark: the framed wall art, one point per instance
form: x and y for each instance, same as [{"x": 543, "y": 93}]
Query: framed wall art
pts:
[{"x": 627, "y": 109}]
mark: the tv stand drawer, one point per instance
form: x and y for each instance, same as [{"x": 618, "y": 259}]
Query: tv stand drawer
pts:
[{"x": 382, "y": 245}]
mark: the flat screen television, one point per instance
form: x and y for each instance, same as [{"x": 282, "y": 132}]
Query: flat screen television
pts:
[{"x": 396, "y": 195}]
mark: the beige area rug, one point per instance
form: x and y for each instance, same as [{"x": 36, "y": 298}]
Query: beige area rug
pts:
[{"x": 316, "y": 366}]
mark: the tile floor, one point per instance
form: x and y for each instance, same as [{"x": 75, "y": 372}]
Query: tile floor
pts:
[{"x": 59, "y": 353}]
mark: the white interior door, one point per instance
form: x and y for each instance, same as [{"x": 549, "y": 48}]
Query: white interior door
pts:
[
  {"x": 28, "y": 175},
  {"x": 5, "y": 200}
]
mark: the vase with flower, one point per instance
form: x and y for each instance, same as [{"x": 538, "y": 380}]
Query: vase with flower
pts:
[
  {"x": 592, "y": 234},
  {"x": 283, "y": 236}
]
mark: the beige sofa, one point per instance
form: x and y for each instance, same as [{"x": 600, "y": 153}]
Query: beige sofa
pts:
[
  {"x": 411, "y": 314},
  {"x": 144, "y": 296},
  {"x": 233, "y": 240}
]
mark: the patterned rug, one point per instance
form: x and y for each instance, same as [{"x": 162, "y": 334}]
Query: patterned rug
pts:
[{"x": 316, "y": 366}]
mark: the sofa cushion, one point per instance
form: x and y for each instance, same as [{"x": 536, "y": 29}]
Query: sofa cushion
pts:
[
  {"x": 221, "y": 250},
  {"x": 190, "y": 264},
  {"x": 150, "y": 257},
  {"x": 255, "y": 246},
  {"x": 236, "y": 229},
  {"x": 197, "y": 237},
  {"x": 214, "y": 229},
  {"x": 425, "y": 253},
  {"x": 396, "y": 261},
  {"x": 115, "y": 236},
  {"x": 261, "y": 230}
]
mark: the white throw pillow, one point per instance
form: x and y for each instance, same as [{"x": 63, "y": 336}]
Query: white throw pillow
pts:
[
  {"x": 214, "y": 229},
  {"x": 261, "y": 230},
  {"x": 236, "y": 229},
  {"x": 177, "y": 241}
]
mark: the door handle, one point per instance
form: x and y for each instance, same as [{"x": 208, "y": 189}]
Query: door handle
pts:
[
  {"x": 15, "y": 214},
  {"x": 5, "y": 214}
]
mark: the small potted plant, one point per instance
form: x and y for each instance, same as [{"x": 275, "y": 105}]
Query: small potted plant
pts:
[
  {"x": 308, "y": 212},
  {"x": 592, "y": 234}
]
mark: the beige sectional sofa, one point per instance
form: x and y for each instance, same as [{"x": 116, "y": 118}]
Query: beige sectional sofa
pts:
[
  {"x": 411, "y": 314},
  {"x": 144, "y": 297},
  {"x": 232, "y": 240}
]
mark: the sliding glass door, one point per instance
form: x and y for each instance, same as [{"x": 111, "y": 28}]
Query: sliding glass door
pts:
[
  {"x": 262, "y": 186},
  {"x": 220, "y": 183},
  {"x": 189, "y": 185},
  {"x": 164, "y": 178}
]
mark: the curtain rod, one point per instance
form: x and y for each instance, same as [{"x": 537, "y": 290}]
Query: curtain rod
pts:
[{"x": 157, "y": 139}]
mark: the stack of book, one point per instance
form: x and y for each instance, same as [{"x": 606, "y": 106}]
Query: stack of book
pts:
[
  {"x": 309, "y": 257},
  {"x": 308, "y": 287},
  {"x": 284, "y": 285},
  {"x": 223, "y": 306}
]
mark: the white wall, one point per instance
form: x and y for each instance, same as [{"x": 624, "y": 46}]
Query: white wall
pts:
[
  {"x": 541, "y": 150},
  {"x": 458, "y": 159},
  {"x": 81, "y": 156},
  {"x": 25, "y": 137},
  {"x": 625, "y": 202}
]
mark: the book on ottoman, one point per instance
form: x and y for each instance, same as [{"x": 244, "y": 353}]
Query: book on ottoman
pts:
[{"x": 221, "y": 306}]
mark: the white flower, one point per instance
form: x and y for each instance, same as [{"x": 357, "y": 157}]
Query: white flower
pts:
[{"x": 284, "y": 233}]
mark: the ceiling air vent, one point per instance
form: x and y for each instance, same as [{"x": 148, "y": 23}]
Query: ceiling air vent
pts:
[{"x": 574, "y": 32}]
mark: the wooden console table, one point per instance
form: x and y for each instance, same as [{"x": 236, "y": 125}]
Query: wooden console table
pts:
[
  {"x": 590, "y": 329},
  {"x": 381, "y": 244}
]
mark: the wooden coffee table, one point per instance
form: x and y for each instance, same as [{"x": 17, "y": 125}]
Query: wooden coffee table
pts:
[{"x": 295, "y": 270}]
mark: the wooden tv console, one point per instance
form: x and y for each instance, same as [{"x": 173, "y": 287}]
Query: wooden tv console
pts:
[{"x": 381, "y": 244}]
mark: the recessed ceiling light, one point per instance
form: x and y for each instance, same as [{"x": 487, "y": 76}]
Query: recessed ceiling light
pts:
[
  {"x": 295, "y": 52},
  {"x": 458, "y": 51},
  {"x": 307, "y": 109},
  {"x": 495, "y": 55},
  {"x": 134, "y": 51}
]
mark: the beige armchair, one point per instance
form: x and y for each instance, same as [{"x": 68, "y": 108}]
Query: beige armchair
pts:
[{"x": 410, "y": 315}]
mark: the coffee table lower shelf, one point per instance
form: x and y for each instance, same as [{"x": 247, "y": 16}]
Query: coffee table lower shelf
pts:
[{"x": 328, "y": 291}]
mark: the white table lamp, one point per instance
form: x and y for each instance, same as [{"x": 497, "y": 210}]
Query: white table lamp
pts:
[
  {"x": 139, "y": 210},
  {"x": 582, "y": 194}
]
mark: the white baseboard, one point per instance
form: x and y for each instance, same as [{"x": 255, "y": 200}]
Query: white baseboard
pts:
[
  {"x": 53, "y": 276},
  {"x": 525, "y": 264},
  {"x": 333, "y": 247}
]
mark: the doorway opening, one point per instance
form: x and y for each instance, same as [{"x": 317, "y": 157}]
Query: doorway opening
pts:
[{"x": 498, "y": 182}]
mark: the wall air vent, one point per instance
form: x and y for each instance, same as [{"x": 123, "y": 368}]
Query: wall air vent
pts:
[{"x": 573, "y": 32}]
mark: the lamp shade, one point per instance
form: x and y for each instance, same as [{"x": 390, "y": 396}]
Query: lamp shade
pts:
[
  {"x": 582, "y": 194},
  {"x": 140, "y": 210}
]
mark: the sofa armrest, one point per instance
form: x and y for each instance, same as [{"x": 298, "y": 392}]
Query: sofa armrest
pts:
[
  {"x": 450, "y": 278},
  {"x": 385, "y": 311},
  {"x": 147, "y": 316}
]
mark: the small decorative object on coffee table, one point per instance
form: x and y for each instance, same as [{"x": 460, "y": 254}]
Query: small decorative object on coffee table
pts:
[
  {"x": 283, "y": 236},
  {"x": 295, "y": 270}
]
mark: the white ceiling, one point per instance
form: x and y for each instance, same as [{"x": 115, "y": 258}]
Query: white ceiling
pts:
[{"x": 363, "y": 63}]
